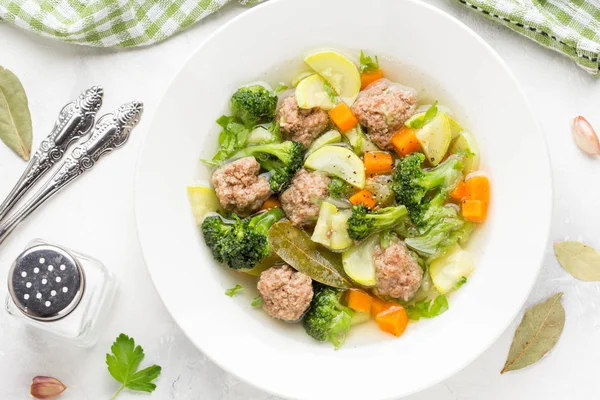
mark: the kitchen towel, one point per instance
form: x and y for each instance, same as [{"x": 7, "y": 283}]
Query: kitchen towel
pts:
[
  {"x": 108, "y": 23},
  {"x": 571, "y": 27}
]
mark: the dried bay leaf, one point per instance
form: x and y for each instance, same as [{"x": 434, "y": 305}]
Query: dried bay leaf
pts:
[
  {"x": 578, "y": 259},
  {"x": 537, "y": 334},
  {"x": 15, "y": 119},
  {"x": 294, "y": 247}
]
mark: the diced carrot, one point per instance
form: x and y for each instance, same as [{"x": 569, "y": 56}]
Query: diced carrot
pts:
[
  {"x": 271, "y": 202},
  {"x": 359, "y": 300},
  {"x": 393, "y": 320},
  {"x": 405, "y": 141},
  {"x": 366, "y": 78},
  {"x": 474, "y": 210},
  {"x": 459, "y": 192},
  {"x": 342, "y": 117},
  {"x": 478, "y": 188},
  {"x": 378, "y": 162},
  {"x": 378, "y": 306},
  {"x": 363, "y": 197}
]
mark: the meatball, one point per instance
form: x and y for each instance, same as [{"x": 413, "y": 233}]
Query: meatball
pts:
[
  {"x": 239, "y": 188},
  {"x": 286, "y": 293},
  {"x": 398, "y": 274},
  {"x": 383, "y": 108},
  {"x": 300, "y": 201},
  {"x": 299, "y": 124}
]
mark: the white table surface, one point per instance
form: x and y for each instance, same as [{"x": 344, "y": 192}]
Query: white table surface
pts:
[{"x": 95, "y": 216}]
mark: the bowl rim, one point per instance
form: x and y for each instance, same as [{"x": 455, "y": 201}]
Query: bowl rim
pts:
[{"x": 546, "y": 229}]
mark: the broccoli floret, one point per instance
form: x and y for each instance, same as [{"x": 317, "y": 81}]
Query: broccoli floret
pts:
[
  {"x": 241, "y": 243},
  {"x": 253, "y": 104},
  {"x": 215, "y": 230},
  {"x": 442, "y": 228},
  {"x": 411, "y": 183},
  {"x": 282, "y": 160},
  {"x": 327, "y": 319},
  {"x": 363, "y": 222}
]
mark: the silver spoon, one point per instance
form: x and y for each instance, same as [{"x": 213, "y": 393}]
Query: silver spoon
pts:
[
  {"x": 110, "y": 133},
  {"x": 75, "y": 120}
]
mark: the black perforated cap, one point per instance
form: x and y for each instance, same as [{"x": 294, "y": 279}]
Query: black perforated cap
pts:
[{"x": 46, "y": 282}]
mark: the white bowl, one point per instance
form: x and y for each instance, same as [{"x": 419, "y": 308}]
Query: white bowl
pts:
[{"x": 281, "y": 358}]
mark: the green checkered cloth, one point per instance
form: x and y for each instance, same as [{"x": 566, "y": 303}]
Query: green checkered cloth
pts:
[
  {"x": 571, "y": 27},
  {"x": 108, "y": 23}
]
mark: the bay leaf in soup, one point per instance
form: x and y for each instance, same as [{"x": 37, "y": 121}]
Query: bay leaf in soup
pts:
[
  {"x": 578, "y": 259},
  {"x": 294, "y": 247},
  {"x": 15, "y": 119},
  {"x": 537, "y": 333}
]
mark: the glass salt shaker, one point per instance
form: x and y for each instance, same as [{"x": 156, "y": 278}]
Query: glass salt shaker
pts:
[{"x": 60, "y": 291}]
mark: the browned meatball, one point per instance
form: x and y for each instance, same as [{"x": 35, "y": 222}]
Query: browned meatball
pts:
[
  {"x": 383, "y": 108},
  {"x": 398, "y": 274},
  {"x": 286, "y": 293},
  {"x": 301, "y": 200},
  {"x": 299, "y": 124},
  {"x": 239, "y": 188}
]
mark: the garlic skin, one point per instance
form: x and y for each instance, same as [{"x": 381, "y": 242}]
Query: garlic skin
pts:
[
  {"x": 46, "y": 387},
  {"x": 585, "y": 136}
]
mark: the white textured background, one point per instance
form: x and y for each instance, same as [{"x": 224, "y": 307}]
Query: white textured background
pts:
[{"x": 95, "y": 216}]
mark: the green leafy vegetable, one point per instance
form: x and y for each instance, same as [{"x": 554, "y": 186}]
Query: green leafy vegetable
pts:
[
  {"x": 15, "y": 119},
  {"x": 427, "y": 308},
  {"x": 578, "y": 259},
  {"x": 264, "y": 134},
  {"x": 368, "y": 63},
  {"x": 430, "y": 114},
  {"x": 337, "y": 188},
  {"x": 460, "y": 282},
  {"x": 537, "y": 334},
  {"x": 280, "y": 88},
  {"x": 294, "y": 247},
  {"x": 234, "y": 290},
  {"x": 330, "y": 92},
  {"x": 124, "y": 362},
  {"x": 232, "y": 138},
  {"x": 256, "y": 302}
]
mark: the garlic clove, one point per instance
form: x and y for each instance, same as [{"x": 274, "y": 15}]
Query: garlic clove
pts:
[
  {"x": 46, "y": 387},
  {"x": 585, "y": 136}
]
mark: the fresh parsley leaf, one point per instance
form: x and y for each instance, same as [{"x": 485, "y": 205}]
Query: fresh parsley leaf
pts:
[
  {"x": 337, "y": 188},
  {"x": 124, "y": 362},
  {"x": 430, "y": 114},
  {"x": 234, "y": 290},
  {"x": 330, "y": 92},
  {"x": 460, "y": 282},
  {"x": 427, "y": 308},
  {"x": 256, "y": 302},
  {"x": 280, "y": 88},
  {"x": 368, "y": 63}
]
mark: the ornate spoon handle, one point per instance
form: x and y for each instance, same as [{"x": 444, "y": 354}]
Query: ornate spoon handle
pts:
[
  {"x": 110, "y": 133},
  {"x": 75, "y": 120}
]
